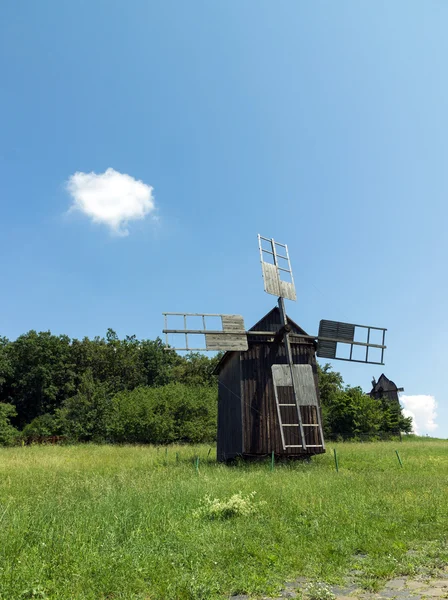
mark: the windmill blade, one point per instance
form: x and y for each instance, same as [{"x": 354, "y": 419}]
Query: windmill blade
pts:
[
  {"x": 301, "y": 377},
  {"x": 231, "y": 336},
  {"x": 334, "y": 334},
  {"x": 276, "y": 267}
]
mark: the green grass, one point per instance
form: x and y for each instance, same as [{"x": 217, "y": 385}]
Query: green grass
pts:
[{"x": 103, "y": 522}]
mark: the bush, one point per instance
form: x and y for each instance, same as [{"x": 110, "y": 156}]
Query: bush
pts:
[
  {"x": 171, "y": 413},
  {"x": 145, "y": 415},
  {"x": 236, "y": 506},
  {"x": 8, "y": 433},
  {"x": 41, "y": 427},
  {"x": 84, "y": 417}
]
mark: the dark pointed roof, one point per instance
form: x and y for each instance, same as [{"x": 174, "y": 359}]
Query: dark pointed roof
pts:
[
  {"x": 270, "y": 322},
  {"x": 384, "y": 383},
  {"x": 384, "y": 387}
]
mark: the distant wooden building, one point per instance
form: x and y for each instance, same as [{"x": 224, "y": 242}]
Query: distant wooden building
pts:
[
  {"x": 385, "y": 388},
  {"x": 248, "y": 423}
]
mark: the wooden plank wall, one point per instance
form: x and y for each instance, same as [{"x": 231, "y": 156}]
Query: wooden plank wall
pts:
[
  {"x": 230, "y": 426},
  {"x": 261, "y": 426}
]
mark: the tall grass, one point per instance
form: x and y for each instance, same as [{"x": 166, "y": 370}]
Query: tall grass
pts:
[{"x": 105, "y": 522}]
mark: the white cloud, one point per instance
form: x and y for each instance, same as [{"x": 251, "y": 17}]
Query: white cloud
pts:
[
  {"x": 111, "y": 198},
  {"x": 422, "y": 409}
]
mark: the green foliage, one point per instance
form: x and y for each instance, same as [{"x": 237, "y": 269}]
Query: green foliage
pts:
[
  {"x": 41, "y": 374},
  {"x": 392, "y": 418},
  {"x": 162, "y": 415},
  {"x": 41, "y": 427},
  {"x": 354, "y": 414},
  {"x": 75, "y": 380},
  {"x": 348, "y": 413},
  {"x": 330, "y": 384},
  {"x": 84, "y": 417},
  {"x": 8, "y": 433},
  {"x": 34, "y": 592},
  {"x": 131, "y": 390},
  {"x": 319, "y": 591},
  {"x": 235, "y": 506},
  {"x": 196, "y": 369},
  {"x": 175, "y": 412},
  {"x": 124, "y": 364},
  {"x": 5, "y": 364}
]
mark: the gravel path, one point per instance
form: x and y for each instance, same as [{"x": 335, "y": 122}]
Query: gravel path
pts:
[{"x": 403, "y": 588}]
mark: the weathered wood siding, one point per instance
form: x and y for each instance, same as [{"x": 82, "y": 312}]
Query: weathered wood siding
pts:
[
  {"x": 247, "y": 413},
  {"x": 230, "y": 426},
  {"x": 261, "y": 426}
]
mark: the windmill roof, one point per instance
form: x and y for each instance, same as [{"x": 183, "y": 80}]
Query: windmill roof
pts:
[
  {"x": 272, "y": 319},
  {"x": 383, "y": 380},
  {"x": 270, "y": 322}
]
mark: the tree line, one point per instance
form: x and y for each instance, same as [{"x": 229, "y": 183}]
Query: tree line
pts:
[{"x": 135, "y": 391}]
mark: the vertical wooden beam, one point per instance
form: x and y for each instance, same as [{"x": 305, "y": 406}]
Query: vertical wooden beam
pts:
[{"x": 289, "y": 358}]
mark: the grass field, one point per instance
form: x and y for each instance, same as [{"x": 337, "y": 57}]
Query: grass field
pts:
[{"x": 103, "y": 522}]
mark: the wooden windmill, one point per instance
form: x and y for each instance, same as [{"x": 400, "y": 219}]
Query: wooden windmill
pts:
[
  {"x": 385, "y": 388},
  {"x": 268, "y": 390}
]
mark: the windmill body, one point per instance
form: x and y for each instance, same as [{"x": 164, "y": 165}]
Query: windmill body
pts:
[
  {"x": 249, "y": 424},
  {"x": 268, "y": 390}
]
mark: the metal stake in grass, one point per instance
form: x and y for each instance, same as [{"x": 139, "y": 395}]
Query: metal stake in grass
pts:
[
  {"x": 399, "y": 459},
  {"x": 336, "y": 464},
  {"x": 197, "y": 464},
  {"x": 209, "y": 450},
  {"x": 272, "y": 460}
]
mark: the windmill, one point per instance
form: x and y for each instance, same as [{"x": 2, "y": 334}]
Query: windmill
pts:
[
  {"x": 385, "y": 388},
  {"x": 268, "y": 390}
]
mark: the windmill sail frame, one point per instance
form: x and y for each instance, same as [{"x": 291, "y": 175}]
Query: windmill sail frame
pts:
[
  {"x": 232, "y": 336},
  {"x": 265, "y": 404},
  {"x": 272, "y": 272},
  {"x": 333, "y": 333}
]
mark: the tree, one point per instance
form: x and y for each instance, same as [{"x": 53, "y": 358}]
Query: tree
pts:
[
  {"x": 157, "y": 363},
  {"x": 330, "y": 388},
  {"x": 367, "y": 414},
  {"x": 41, "y": 374},
  {"x": 196, "y": 369},
  {"x": 41, "y": 427},
  {"x": 393, "y": 420},
  {"x": 8, "y": 433},
  {"x": 80, "y": 386},
  {"x": 172, "y": 413},
  {"x": 349, "y": 413},
  {"x": 84, "y": 416},
  {"x": 124, "y": 364},
  {"x": 5, "y": 367}
]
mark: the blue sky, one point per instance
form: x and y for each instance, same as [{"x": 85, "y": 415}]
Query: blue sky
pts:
[{"x": 322, "y": 124}]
